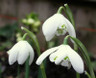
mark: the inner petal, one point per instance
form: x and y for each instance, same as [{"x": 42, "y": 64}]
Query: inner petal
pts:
[
  {"x": 61, "y": 30},
  {"x": 66, "y": 63}
]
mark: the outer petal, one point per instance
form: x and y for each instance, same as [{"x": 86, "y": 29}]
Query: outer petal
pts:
[
  {"x": 31, "y": 53},
  {"x": 70, "y": 28},
  {"x": 13, "y": 57},
  {"x": 50, "y": 26},
  {"x": 23, "y": 53},
  {"x": 53, "y": 56},
  {"x": 13, "y": 53},
  {"x": 75, "y": 60},
  {"x": 62, "y": 54},
  {"x": 45, "y": 54},
  {"x": 56, "y": 55}
]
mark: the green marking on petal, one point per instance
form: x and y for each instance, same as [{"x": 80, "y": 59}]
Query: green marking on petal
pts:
[
  {"x": 55, "y": 58},
  {"x": 61, "y": 29},
  {"x": 66, "y": 58},
  {"x": 63, "y": 26}
]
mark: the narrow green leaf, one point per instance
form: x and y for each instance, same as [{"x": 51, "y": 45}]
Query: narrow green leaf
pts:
[
  {"x": 85, "y": 55},
  {"x": 34, "y": 39},
  {"x": 69, "y": 14}
]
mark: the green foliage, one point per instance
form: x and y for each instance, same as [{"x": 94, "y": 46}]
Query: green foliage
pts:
[
  {"x": 8, "y": 30},
  {"x": 33, "y": 16},
  {"x": 7, "y": 34},
  {"x": 69, "y": 14},
  {"x": 85, "y": 55}
]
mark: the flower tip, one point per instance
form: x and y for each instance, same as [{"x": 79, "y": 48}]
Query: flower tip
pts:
[
  {"x": 65, "y": 4},
  {"x": 38, "y": 63},
  {"x": 81, "y": 71},
  {"x": 11, "y": 62},
  {"x": 8, "y": 52},
  {"x": 85, "y": 72},
  {"x": 20, "y": 63},
  {"x": 22, "y": 27}
]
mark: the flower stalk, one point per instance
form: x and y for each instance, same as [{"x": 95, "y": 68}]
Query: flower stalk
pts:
[
  {"x": 27, "y": 67},
  {"x": 66, "y": 40},
  {"x": 18, "y": 71},
  {"x": 27, "y": 61},
  {"x": 0, "y": 71},
  {"x": 36, "y": 45},
  {"x": 77, "y": 75},
  {"x": 88, "y": 75},
  {"x": 60, "y": 9}
]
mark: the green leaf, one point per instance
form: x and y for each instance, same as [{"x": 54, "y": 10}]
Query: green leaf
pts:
[
  {"x": 69, "y": 14},
  {"x": 85, "y": 55}
]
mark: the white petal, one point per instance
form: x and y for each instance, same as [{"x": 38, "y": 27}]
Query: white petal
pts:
[
  {"x": 75, "y": 60},
  {"x": 49, "y": 37},
  {"x": 62, "y": 54},
  {"x": 56, "y": 54},
  {"x": 53, "y": 56},
  {"x": 31, "y": 51},
  {"x": 45, "y": 54},
  {"x": 23, "y": 53},
  {"x": 13, "y": 57},
  {"x": 70, "y": 28},
  {"x": 13, "y": 53},
  {"x": 50, "y": 26}
]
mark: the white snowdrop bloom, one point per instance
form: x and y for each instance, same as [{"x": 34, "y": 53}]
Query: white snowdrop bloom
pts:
[
  {"x": 57, "y": 25},
  {"x": 63, "y": 55},
  {"x": 20, "y": 52},
  {"x": 30, "y": 21}
]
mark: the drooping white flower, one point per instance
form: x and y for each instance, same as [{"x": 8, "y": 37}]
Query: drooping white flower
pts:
[
  {"x": 30, "y": 21},
  {"x": 57, "y": 25},
  {"x": 20, "y": 52},
  {"x": 63, "y": 55}
]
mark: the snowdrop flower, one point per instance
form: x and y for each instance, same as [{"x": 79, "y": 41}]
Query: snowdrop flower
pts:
[
  {"x": 63, "y": 55},
  {"x": 30, "y": 21},
  {"x": 20, "y": 52},
  {"x": 57, "y": 25}
]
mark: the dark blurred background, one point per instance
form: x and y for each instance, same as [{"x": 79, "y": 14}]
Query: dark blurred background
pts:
[{"x": 84, "y": 12}]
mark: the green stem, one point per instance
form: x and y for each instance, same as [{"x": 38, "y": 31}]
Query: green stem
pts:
[
  {"x": 24, "y": 36},
  {"x": 36, "y": 44},
  {"x": 76, "y": 49},
  {"x": 0, "y": 70},
  {"x": 27, "y": 61},
  {"x": 27, "y": 68},
  {"x": 18, "y": 71},
  {"x": 60, "y": 9},
  {"x": 88, "y": 75},
  {"x": 77, "y": 75},
  {"x": 65, "y": 42}
]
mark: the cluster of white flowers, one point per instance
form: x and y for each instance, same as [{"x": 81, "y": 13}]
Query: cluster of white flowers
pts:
[{"x": 62, "y": 55}]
